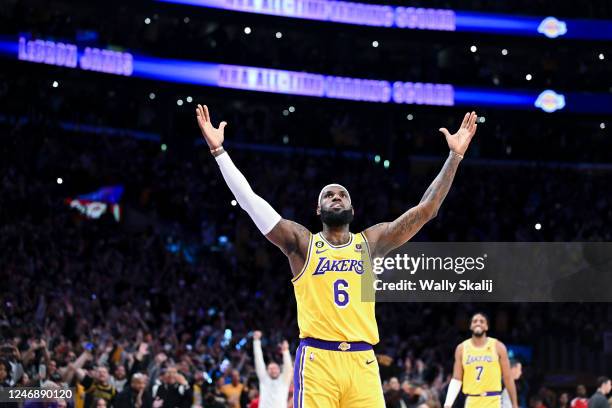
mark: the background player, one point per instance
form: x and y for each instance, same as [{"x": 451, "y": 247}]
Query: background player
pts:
[
  {"x": 480, "y": 364},
  {"x": 273, "y": 382},
  {"x": 335, "y": 364}
]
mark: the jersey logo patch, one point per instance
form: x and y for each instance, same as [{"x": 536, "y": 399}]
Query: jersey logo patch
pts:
[
  {"x": 319, "y": 244},
  {"x": 344, "y": 346}
]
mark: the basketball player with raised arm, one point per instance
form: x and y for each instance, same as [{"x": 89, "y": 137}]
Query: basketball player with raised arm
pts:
[
  {"x": 335, "y": 366},
  {"x": 481, "y": 362}
]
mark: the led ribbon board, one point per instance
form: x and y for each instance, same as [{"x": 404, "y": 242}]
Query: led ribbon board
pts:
[
  {"x": 296, "y": 83},
  {"x": 415, "y": 18},
  {"x": 68, "y": 55}
]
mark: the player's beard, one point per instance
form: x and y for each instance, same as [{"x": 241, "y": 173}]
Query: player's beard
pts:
[
  {"x": 480, "y": 333},
  {"x": 337, "y": 219}
]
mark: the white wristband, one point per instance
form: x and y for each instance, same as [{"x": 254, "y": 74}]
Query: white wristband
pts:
[{"x": 262, "y": 213}]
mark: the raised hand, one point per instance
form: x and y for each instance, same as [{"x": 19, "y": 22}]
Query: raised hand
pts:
[
  {"x": 138, "y": 402},
  {"x": 284, "y": 346},
  {"x": 180, "y": 379},
  {"x": 256, "y": 335},
  {"x": 160, "y": 358},
  {"x": 459, "y": 141},
  {"x": 214, "y": 136}
]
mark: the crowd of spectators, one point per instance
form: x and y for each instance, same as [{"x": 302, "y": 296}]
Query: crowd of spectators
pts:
[
  {"x": 160, "y": 307},
  {"x": 393, "y": 132}
]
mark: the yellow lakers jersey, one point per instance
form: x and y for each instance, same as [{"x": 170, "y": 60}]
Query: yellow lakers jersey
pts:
[
  {"x": 481, "y": 368},
  {"x": 328, "y": 292}
]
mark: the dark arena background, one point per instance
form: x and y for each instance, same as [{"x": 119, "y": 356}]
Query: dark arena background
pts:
[{"x": 122, "y": 247}]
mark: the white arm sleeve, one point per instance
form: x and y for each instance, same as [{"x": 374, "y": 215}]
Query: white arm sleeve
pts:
[
  {"x": 262, "y": 213},
  {"x": 451, "y": 394}
]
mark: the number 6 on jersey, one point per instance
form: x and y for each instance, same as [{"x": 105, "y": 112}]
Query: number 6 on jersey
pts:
[{"x": 341, "y": 296}]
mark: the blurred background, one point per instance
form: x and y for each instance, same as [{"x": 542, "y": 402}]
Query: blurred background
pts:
[{"x": 123, "y": 252}]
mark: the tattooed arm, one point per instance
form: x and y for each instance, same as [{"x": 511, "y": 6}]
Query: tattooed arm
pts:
[{"x": 387, "y": 236}]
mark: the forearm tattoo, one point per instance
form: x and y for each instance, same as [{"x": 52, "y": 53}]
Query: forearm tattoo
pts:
[{"x": 437, "y": 191}]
